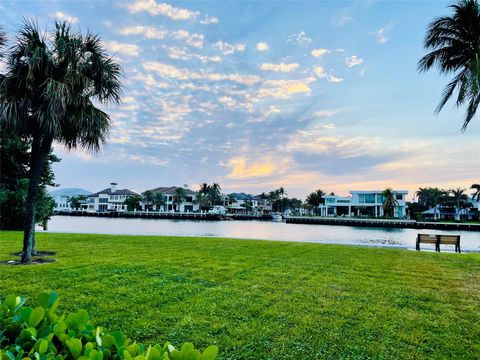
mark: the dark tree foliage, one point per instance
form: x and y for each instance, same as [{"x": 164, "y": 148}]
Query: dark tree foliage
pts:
[{"x": 14, "y": 159}]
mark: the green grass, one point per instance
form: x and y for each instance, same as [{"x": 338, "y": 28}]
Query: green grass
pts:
[{"x": 263, "y": 299}]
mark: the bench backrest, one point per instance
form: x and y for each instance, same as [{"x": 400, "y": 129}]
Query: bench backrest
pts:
[
  {"x": 449, "y": 239},
  {"x": 427, "y": 238}
]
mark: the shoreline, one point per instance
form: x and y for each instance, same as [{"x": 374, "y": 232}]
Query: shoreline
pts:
[{"x": 307, "y": 220}]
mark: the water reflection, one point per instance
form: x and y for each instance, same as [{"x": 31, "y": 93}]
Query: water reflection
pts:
[{"x": 388, "y": 237}]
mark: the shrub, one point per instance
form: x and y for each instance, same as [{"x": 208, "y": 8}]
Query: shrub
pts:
[{"x": 40, "y": 334}]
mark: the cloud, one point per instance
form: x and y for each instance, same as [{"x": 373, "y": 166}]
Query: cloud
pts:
[
  {"x": 314, "y": 141},
  {"x": 154, "y": 8},
  {"x": 334, "y": 79},
  {"x": 150, "y": 32},
  {"x": 325, "y": 113},
  {"x": 65, "y": 17},
  {"x": 341, "y": 20},
  {"x": 353, "y": 61},
  {"x": 183, "y": 54},
  {"x": 240, "y": 170},
  {"x": 122, "y": 48},
  {"x": 165, "y": 70},
  {"x": 228, "y": 49},
  {"x": 319, "y": 71},
  {"x": 209, "y": 20},
  {"x": 319, "y": 52},
  {"x": 195, "y": 40},
  {"x": 300, "y": 38},
  {"x": 381, "y": 35},
  {"x": 262, "y": 46},
  {"x": 279, "y": 67},
  {"x": 283, "y": 89}
]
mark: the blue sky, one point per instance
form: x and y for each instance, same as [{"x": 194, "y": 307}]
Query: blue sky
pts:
[{"x": 256, "y": 95}]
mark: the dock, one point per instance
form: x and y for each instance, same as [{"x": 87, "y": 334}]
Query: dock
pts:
[{"x": 385, "y": 223}]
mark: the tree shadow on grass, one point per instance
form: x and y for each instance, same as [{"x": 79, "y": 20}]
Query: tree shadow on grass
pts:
[{"x": 35, "y": 261}]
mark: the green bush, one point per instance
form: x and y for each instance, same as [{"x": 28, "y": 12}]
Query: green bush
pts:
[{"x": 40, "y": 334}]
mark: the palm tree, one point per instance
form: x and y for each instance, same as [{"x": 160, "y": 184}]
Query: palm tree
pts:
[
  {"x": 476, "y": 194},
  {"x": 215, "y": 194},
  {"x": 389, "y": 202},
  {"x": 455, "y": 49},
  {"x": 50, "y": 92},
  {"x": 315, "y": 199},
  {"x": 459, "y": 196},
  {"x": 178, "y": 197},
  {"x": 147, "y": 198},
  {"x": 158, "y": 199}
]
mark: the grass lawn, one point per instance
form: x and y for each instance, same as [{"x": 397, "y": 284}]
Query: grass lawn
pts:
[{"x": 263, "y": 299}]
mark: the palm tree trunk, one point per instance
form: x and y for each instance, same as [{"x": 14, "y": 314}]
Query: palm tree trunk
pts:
[{"x": 40, "y": 150}]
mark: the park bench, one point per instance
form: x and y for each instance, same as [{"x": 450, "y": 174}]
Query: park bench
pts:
[{"x": 438, "y": 240}]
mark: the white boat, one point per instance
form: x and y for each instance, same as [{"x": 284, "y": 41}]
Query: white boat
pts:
[
  {"x": 277, "y": 216},
  {"x": 218, "y": 210}
]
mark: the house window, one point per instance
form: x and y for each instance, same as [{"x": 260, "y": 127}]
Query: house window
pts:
[
  {"x": 366, "y": 198},
  {"x": 399, "y": 196},
  {"x": 103, "y": 200}
]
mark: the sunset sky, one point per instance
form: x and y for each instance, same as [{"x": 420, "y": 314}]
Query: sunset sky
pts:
[{"x": 256, "y": 95}]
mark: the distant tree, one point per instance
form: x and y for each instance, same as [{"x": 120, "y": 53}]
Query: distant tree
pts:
[
  {"x": 51, "y": 91},
  {"x": 76, "y": 201},
  {"x": 215, "y": 194},
  {"x": 455, "y": 49},
  {"x": 459, "y": 197},
  {"x": 315, "y": 199},
  {"x": 201, "y": 199},
  {"x": 389, "y": 202},
  {"x": 476, "y": 194},
  {"x": 178, "y": 197},
  {"x": 147, "y": 198},
  {"x": 158, "y": 200},
  {"x": 133, "y": 202},
  {"x": 431, "y": 197}
]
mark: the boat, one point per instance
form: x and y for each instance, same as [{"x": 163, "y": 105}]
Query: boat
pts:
[{"x": 277, "y": 216}]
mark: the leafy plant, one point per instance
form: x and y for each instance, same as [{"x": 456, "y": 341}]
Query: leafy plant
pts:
[{"x": 40, "y": 334}]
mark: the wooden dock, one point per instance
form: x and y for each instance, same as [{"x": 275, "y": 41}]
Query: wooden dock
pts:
[{"x": 410, "y": 224}]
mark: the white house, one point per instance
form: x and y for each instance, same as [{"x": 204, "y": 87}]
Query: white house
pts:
[
  {"x": 363, "y": 203},
  {"x": 236, "y": 202},
  {"x": 62, "y": 196},
  {"x": 110, "y": 199},
  {"x": 169, "y": 191}
]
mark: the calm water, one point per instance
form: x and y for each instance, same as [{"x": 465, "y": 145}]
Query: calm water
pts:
[{"x": 327, "y": 234}]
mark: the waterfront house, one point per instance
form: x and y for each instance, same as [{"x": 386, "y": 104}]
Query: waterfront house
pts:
[
  {"x": 188, "y": 205},
  {"x": 62, "y": 197},
  {"x": 242, "y": 202},
  {"x": 362, "y": 204},
  {"x": 110, "y": 199}
]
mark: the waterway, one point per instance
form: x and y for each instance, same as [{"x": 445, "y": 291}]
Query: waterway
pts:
[{"x": 265, "y": 230}]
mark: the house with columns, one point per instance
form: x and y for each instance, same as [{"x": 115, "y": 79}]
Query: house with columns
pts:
[
  {"x": 109, "y": 199},
  {"x": 363, "y": 203}
]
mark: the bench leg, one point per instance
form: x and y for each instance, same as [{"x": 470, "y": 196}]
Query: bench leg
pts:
[{"x": 417, "y": 247}]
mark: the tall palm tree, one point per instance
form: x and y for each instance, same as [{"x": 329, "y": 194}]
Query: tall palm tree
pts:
[
  {"x": 215, "y": 194},
  {"x": 51, "y": 88},
  {"x": 179, "y": 197},
  {"x": 389, "y": 202},
  {"x": 459, "y": 196},
  {"x": 147, "y": 198},
  {"x": 431, "y": 197},
  {"x": 476, "y": 194},
  {"x": 454, "y": 42},
  {"x": 158, "y": 199}
]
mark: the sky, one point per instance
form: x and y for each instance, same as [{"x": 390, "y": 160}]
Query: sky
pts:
[{"x": 255, "y": 95}]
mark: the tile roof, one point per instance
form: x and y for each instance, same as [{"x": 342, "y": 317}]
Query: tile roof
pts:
[
  {"x": 108, "y": 191},
  {"x": 170, "y": 190}
]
